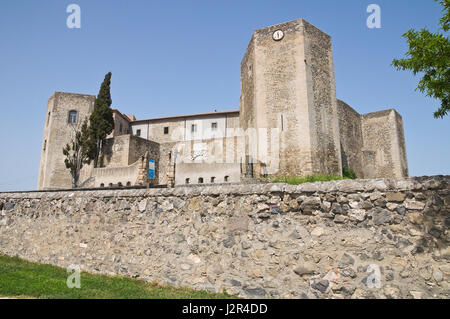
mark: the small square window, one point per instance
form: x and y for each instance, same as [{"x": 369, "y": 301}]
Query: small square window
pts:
[
  {"x": 72, "y": 117},
  {"x": 166, "y": 130},
  {"x": 214, "y": 126}
]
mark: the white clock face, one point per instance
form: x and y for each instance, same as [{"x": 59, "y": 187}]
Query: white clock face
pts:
[{"x": 278, "y": 35}]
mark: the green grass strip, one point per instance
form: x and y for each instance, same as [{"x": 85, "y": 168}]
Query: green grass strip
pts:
[{"x": 19, "y": 278}]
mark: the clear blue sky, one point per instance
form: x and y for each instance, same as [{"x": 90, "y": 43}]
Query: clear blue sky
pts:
[{"x": 176, "y": 57}]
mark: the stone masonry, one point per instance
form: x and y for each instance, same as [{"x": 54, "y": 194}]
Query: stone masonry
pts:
[
  {"x": 289, "y": 123},
  {"x": 383, "y": 238}
]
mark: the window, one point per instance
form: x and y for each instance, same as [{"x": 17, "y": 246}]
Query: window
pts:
[
  {"x": 188, "y": 180},
  {"x": 45, "y": 145},
  {"x": 138, "y": 133},
  {"x": 166, "y": 130},
  {"x": 119, "y": 184},
  {"x": 200, "y": 180},
  {"x": 214, "y": 126},
  {"x": 120, "y": 127},
  {"x": 170, "y": 156},
  {"x": 128, "y": 183},
  {"x": 110, "y": 184},
  {"x": 226, "y": 179},
  {"x": 194, "y": 128},
  {"x": 48, "y": 118},
  {"x": 213, "y": 179},
  {"x": 72, "y": 117},
  {"x": 102, "y": 185}
]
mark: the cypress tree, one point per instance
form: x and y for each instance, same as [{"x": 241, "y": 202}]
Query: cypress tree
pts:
[{"x": 101, "y": 120}]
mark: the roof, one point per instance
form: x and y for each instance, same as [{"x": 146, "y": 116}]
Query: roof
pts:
[
  {"x": 187, "y": 115},
  {"x": 125, "y": 117}
]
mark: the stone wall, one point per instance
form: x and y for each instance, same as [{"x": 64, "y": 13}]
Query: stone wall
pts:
[
  {"x": 344, "y": 239},
  {"x": 214, "y": 157},
  {"x": 400, "y": 160},
  {"x": 383, "y": 134},
  {"x": 373, "y": 144},
  {"x": 114, "y": 176},
  {"x": 351, "y": 138},
  {"x": 322, "y": 102},
  {"x": 122, "y": 153},
  {"x": 121, "y": 124},
  {"x": 116, "y": 151},
  {"x": 209, "y": 173}
]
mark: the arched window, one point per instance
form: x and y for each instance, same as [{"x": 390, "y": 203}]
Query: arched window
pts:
[
  {"x": 102, "y": 185},
  {"x": 110, "y": 184},
  {"x": 72, "y": 117},
  {"x": 226, "y": 179},
  {"x": 188, "y": 180},
  {"x": 200, "y": 180},
  {"x": 128, "y": 183},
  {"x": 213, "y": 180},
  {"x": 119, "y": 184}
]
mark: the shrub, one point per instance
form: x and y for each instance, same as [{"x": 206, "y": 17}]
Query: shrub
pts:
[{"x": 348, "y": 173}]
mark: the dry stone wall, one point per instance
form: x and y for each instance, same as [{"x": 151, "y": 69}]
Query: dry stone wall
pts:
[{"x": 384, "y": 238}]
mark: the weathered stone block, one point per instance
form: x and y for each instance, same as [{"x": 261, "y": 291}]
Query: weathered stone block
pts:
[{"x": 395, "y": 197}]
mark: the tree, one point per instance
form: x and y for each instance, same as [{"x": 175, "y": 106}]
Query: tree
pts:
[
  {"x": 77, "y": 151},
  {"x": 429, "y": 53},
  {"x": 101, "y": 120}
]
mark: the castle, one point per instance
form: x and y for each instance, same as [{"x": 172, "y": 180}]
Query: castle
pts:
[{"x": 290, "y": 123}]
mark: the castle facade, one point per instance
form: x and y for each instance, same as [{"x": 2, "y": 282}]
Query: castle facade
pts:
[{"x": 289, "y": 123}]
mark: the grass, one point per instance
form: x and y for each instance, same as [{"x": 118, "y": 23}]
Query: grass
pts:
[
  {"x": 22, "y": 279},
  {"x": 296, "y": 180}
]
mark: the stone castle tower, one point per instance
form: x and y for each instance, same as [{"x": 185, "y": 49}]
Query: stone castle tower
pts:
[
  {"x": 64, "y": 112},
  {"x": 288, "y": 84},
  {"x": 288, "y": 87}
]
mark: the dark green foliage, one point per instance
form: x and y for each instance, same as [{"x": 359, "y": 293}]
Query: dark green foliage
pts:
[
  {"x": 429, "y": 54},
  {"x": 77, "y": 151},
  {"x": 348, "y": 173},
  {"x": 101, "y": 120},
  {"x": 19, "y": 278}
]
